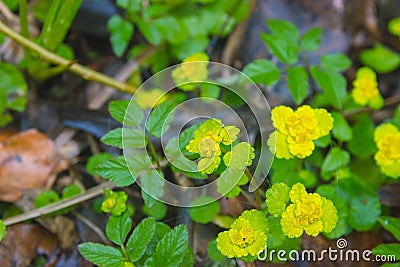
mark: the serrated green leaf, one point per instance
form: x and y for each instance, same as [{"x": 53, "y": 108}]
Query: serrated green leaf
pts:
[
  {"x": 332, "y": 84},
  {"x": 363, "y": 145},
  {"x": 96, "y": 160},
  {"x": 130, "y": 5},
  {"x": 188, "y": 258},
  {"x": 121, "y": 33},
  {"x": 335, "y": 62},
  {"x": 391, "y": 224},
  {"x": 177, "y": 159},
  {"x": 118, "y": 227},
  {"x": 262, "y": 71},
  {"x": 116, "y": 171},
  {"x": 100, "y": 254},
  {"x": 152, "y": 182},
  {"x": 284, "y": 29},
  {"x": 335, "y": 159},
  {"x": 160, "y": 118},
  {"x": 152, "y": 34},
  {"x": 201, "y": 212},
  {"x": 133, "y": 138},
  {"x": 298, "y": 83},
  {"x": 129, "y": 117},
  {"x": 285, "y": 51},
  {"x": 161, "y": 230},
  {"x": 140, "y": 238},
  {"x": 138, "y": 161},
  {"x": 311, "y": 39},
  {"x": 380, "y": 58},
  {"x": 387, "y": 250},
  {"x": 341, "y": 128},
  {"x": 171, "y": 249}
]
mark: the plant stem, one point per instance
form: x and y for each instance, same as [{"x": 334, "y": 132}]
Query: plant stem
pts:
[
  {"x": 153, "y": 151},
  {"x": 393, "y": 100},
  {"x": 82, "y": 71},
  {"x": 23, "y": 18},
  {"x": 257, "y": 192},
  {"x": 252, "y": 202}
]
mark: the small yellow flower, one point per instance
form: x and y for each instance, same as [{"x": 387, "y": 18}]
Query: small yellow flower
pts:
[
  {"x": 365, "y": 91},
  {"x": 308, "y": 212},
  {"x": 147, "y": 98},
  {"x": 296, "y": 130},
  {"x": 387, "y": 139},
  {"x": 247, "y": 236},
  {"x": 207, "y": 140},
  {"x": 193, "y": 72},
  {"x": 114, "y": 202}
]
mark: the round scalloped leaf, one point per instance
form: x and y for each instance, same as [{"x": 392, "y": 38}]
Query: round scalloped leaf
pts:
[{"x": 277, "y": 198}]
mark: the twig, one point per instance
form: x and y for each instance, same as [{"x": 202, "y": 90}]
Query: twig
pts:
[
  {"x": 393, "y": 100},
  {"x": 92, "y": 226},
  {"x": 81, "y": 70},
  {"x": 89, "y": 194}
]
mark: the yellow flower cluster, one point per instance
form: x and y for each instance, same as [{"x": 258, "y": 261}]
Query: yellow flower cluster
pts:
[
  {"x": 207, "y": 140},
  {"x": 194, "y": 72},
  {"x": 247, "y": 236},
  {"x": 387, "y": 139},
  {"x": 308, "y": 212},
  {"x": 296, "y": 130},
  {"x": 365, "y": 91}
]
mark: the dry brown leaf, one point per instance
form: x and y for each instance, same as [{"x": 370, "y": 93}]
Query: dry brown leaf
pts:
[
  {"x": 28, "y": 160},
  {"x": 24, "y": 242}
]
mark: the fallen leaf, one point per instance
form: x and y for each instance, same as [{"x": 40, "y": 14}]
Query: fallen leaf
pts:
[
  {"x": 28, "y": 160},
  {"x": 24, "y": 242}
]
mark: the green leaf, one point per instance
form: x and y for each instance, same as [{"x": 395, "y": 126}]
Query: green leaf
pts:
[
  {"x": 341, "y": 128},
  {"x": 393, "y": 26},
  {"x": 133, "y": 138},
  {"x": 116, "y": 171},
  {"x": 387, "y": 250},
  {"x": 188, "y": 258},
  {"x": 45, "y": 198},
  {"x": 171, "y": 249},
  {"x": 140, "y": 238},
  {"x": 284, "y": 50},
  {"x": 2, "y": 230},
  {"x": 121, "y": 33},
  {"x": 161, "y": 230},
  {"x": 119, "y": 111},
  {"x": 11, "y": 4},
  {"x": 118, "y": 227},
  {"x": 277, "y": 198},
  {"x": 298, "y": 83},
  {"x": 95, "y": 160},
  {"x": 203, "y": 209},
  {"x": 152, "y": 34},
  {"x": 152, "y": 182},
  {"x": 363, "y": 145},
  {"x": 311, "y": 39},
  {"x": 131, "y": 5},
  {"x": 177, "y": 159},
  {"x": 160, "y": 118},
  {"x": 284, "y": 29},
  {"x": 70, "y": 191},
  {"x": 100, "y": 254},
  {"x": 210, "y": 90},
  {"x": 13, "y": 88},
  {"x": 240, "y": 156},
  {"x": 335, "y": 62},
  {"x": 380, "y": 58},
  {"x": 332, "y": 84},
  {"x": 213, "y": 253},
  {"x": 335, "y": 159},
  {"x": 364, "y": 212},
  {"x": 391, "y": 224},
  {"x": 157, "y": 210},
  {"x": 262, "y": 71},
  {"x": 323, "y": 141}
]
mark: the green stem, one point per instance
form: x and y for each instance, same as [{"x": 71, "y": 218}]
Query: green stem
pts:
[
  {"x": 23, "y": 23},
  {"x": 257, "y": 192},
  {"x": 153, "y": 151},
  {"x": 124, "y": 252},
  {"x": 82, "y": 71}
]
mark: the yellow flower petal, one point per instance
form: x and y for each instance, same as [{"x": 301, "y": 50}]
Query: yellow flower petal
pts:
[
  {"x": 279, "y": 115},
  {"x": 325, "y": 121},
  {"x": 229, "y": 134},
  {"x": 383, "y": 130},
  {"x": 278, "y": 145}
]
